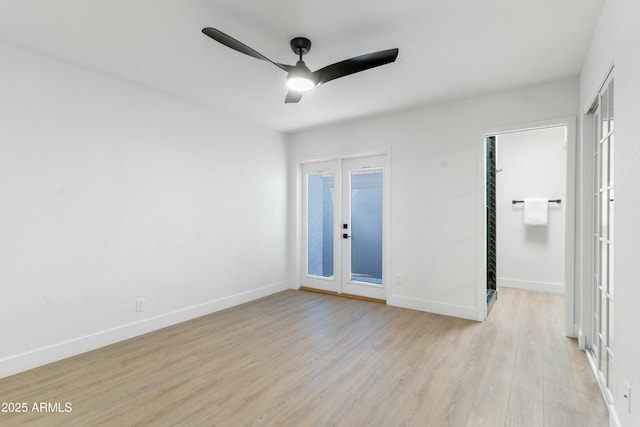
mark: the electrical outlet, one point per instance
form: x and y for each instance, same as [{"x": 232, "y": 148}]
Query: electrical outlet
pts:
[
  {"x": 399, "y": 279},
  {"x": 264, "y": 274},
  {"x": 139, "y": 304}
]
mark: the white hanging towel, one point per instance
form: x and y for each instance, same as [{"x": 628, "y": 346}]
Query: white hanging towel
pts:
[{"x": 535, "y": 211}]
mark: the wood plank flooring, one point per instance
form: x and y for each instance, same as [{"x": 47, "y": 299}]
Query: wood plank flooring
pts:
[{"x": 306, "y": 359}]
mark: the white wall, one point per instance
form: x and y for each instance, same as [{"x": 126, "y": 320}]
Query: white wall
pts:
[
  {"x": 533, "y": 164},
  {"x": 110, "y": 192},
  {"x": 437, "y": 187},
  {"x": 616, "y": 41}
]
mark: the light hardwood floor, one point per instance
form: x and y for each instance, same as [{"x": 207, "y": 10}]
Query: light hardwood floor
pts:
[{"x": 303, "y": 359}]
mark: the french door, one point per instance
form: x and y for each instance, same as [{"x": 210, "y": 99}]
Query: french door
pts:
[
  {"x": 342, "y": 205},
  {"x": 361, "y": 226},
  {"x": 603, "y": 236}
]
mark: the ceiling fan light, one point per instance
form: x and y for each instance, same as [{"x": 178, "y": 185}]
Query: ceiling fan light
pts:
[
  {"x": 300, "y": 83},
  {"x": 300, "y": 78}
]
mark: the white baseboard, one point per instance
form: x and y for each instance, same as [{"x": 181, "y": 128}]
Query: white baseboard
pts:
[
  {"x": 42, "y": 356},
  {"x": 614, "y": 420},
  {"x": 464, "y": 312},
  {"x": 582, "y": 340},
  {"x": 613, "y": 417},
  {"x": 556, "y": 288}
]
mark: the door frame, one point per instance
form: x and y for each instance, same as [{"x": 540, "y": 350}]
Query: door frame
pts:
[
  {"x": 300, "y": 262},
  {"x": 571, "y": 317}
]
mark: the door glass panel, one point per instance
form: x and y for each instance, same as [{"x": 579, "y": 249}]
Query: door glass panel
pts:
[
  {"x": 596, "y": 130},
  {"x": 611, "y": 203},
  {"x": 603, "y": 266},
  {"x": 610, "y": 371},
  {"x": 610, "y": 157},
  {"x": 598, "y": 170},
  {"x": 366, "y": 225},
  {"x": 596, "y": 258},
  {"x": 604, "y": 154},
  {"x": 604, "y": 362},
  {"x": 611, "y": 271},
  {"x": 610, "y": 331},
  {"x": 611, "y": 103},
  {"x": 596, "y": 219},
  {"x": 604, "y": 215},
  {"x": 604, "y": 110},
  {"x": 320, "y": 193},
  {"x": 603, "y": 316},
  {"x": 596, "y": 323}
]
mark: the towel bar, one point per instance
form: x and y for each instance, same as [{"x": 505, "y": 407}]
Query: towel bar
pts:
[{"x": 550, "y": 201}]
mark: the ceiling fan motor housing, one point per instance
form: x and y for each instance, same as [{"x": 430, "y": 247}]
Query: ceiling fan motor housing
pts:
[{"x": 300, "y": 45}]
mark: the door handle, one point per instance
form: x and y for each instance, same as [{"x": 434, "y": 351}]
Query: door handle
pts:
[{"x": 345, "y": 236}]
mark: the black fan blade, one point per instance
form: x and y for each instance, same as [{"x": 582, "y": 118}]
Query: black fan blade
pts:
[
  {"x": 286, "y": 67},
  {"x": 293, "y": 97},
  {"x": 355, "y": 65},
  {"x": 229, "y": 41}
]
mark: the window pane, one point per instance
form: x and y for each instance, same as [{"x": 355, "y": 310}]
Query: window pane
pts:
[{"x": 320, "y": 224}]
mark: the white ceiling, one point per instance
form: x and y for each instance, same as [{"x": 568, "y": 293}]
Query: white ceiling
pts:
[{"x": 448, "y": 49}]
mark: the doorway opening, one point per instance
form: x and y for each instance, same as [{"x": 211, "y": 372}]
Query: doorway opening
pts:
[
  {"x": 491, "y": 222},
  {"x": 529, "y": 211}
]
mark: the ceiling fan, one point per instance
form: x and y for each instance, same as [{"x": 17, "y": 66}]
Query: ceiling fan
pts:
[{"x": 300, "y": 78}]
